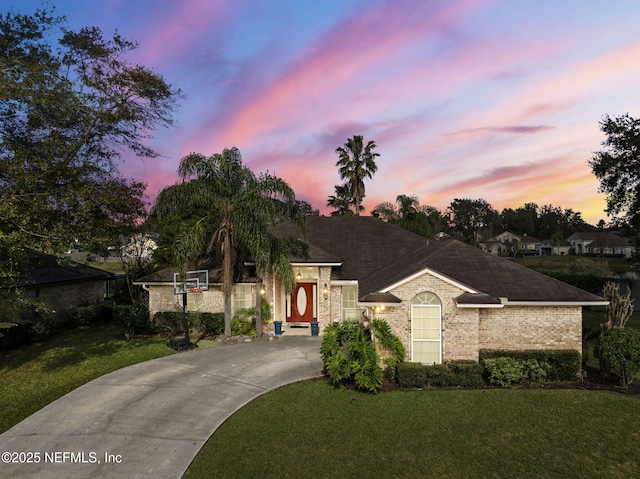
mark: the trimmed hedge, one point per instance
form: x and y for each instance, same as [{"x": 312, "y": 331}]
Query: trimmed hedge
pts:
[
  {"x": 211, "y": 323},
  {"x": 452, "y": 374},
  {"x": 560, "y": 364}
]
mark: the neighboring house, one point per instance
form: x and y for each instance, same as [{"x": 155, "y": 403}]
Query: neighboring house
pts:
[
  {"x": 554, "y": 247},
  {"x": 529, "y": 245},
  {"x": 61, "y": 284},
  {"x": 445, "y": 300},
  {"x": 601, "y": 243},
  {"x": 506, "y": 242}
]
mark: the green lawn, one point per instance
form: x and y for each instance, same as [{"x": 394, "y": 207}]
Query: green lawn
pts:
[
  {"x": 35, "y": 375},
  {"x": 310, "y": 429},
  {"x": 110, "y": 267}
]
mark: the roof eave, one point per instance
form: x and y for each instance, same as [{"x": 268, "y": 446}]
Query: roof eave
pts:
[
  {"x": 556, "y": 303},
  {"x": 479, "y": 306}
]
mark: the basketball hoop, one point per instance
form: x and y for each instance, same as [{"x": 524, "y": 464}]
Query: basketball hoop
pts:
[
  {"x": 192, "y": 286},
  {"x": 189, "y": 291}
]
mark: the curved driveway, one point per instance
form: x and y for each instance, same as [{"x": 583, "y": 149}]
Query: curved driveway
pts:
[{"x": 152, "y": 418}]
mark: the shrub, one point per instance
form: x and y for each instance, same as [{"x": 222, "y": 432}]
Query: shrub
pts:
[
  {"x": 211, "y": 323},
  {"x": 620, "y": 349},
  {"x": 387, "y": 341},
  {"x": 169, "y": 321},
  {"x": 46, "y": 325},
  {"x": 242, "y": 323},
  {"x": 561, "y": 364},
  {"x": 465, "y": 374},
  {"x": 410, "y": 375},
  {"x": 504, "y": 371},
  {"x": 173, "y": 322},
  {"x": 132, "y": 318},
  {"x": 96, "y": 313},
  {"x": 350, "y": 357},
  {"x": 452, "y": 374}
]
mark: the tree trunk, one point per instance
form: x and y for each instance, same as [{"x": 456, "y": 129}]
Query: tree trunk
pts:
[
  {"x": 227, "y": 281},
  {"x": 227, "y": 313},
  {"x": 258, "y": 313}
]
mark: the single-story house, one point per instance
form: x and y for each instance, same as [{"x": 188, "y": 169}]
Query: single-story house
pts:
[
  {"x": 529, "y": 245},
  {"x": 506, "y": 241},
  {"x": 550, "y": 247},
  {"x": 60, "y": 283},
  {"x": 601, "y": 243},
  {"x": 445, "y": 300}
]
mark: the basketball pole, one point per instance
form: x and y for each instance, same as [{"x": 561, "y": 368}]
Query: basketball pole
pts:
[{"x": 185, "y": 320}]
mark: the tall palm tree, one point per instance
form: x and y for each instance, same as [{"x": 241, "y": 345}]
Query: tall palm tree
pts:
[
  {"x": 357, "y": 162},
  {"x": 241, "y": 207}
]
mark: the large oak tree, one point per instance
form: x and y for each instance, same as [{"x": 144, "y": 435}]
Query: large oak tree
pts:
[{"x": 70, "y": 105}]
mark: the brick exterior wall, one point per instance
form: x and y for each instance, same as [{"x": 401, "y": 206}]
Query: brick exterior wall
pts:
[
  {"x": 65, "y": 296},
  {"x": 466, "y": 331},
  {"x": 520, "y": 327},
  {"x": 161, "y": 298}
]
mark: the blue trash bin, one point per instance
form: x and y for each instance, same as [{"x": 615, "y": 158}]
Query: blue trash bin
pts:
[
  {"x": 277, "y": 326},
  {"x": 315, "y": 330}
]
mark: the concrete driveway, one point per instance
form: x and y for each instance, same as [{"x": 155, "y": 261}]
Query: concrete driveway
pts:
[{"x": 151, "y": 419}]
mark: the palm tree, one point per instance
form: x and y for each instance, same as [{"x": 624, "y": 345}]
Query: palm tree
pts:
[
  {"x": 342, "y": 200},
  {"x": 241, "y": 207},
  {"x": 356, "y": 163}
]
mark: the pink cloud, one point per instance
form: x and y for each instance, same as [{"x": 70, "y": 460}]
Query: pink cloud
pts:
[{"x": 345, "y": 53}]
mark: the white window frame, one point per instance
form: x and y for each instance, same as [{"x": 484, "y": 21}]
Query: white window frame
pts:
[
  {"x": 241, "y": 297},
  {"x": 426, "y": 299},
  {"x": 350, "y": 309}
]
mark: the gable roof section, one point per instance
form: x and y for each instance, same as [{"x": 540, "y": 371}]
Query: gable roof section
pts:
[{"x": 482, "y": 273}]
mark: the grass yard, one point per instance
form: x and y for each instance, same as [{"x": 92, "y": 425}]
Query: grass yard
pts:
[
  {"x": 310, "y": 429},
  {"x": 33, "y": 376}
]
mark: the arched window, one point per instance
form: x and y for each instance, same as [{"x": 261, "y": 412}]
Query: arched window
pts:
[{"x": 426, "y": 326}]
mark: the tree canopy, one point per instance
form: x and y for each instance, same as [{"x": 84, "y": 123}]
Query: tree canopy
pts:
[
  {"x": 409, "y": 214},
  {"x": 241, "y": 207},
  {"x": 469, "y": 217},
  {"x": 617, "y": 166},
  {"x": 70, "y": 105}
]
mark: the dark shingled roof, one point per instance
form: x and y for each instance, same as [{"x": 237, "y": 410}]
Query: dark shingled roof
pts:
[
  {"x": 43, "y": 269},
  {"x": 380, "y": 255},
  {"x": 362, "y": 243}
]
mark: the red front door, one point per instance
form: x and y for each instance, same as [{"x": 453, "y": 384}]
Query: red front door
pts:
[{"x": 302, "y": 307}]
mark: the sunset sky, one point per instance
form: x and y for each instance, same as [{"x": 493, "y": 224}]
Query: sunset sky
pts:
[{"x": 498, "y": 100}]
